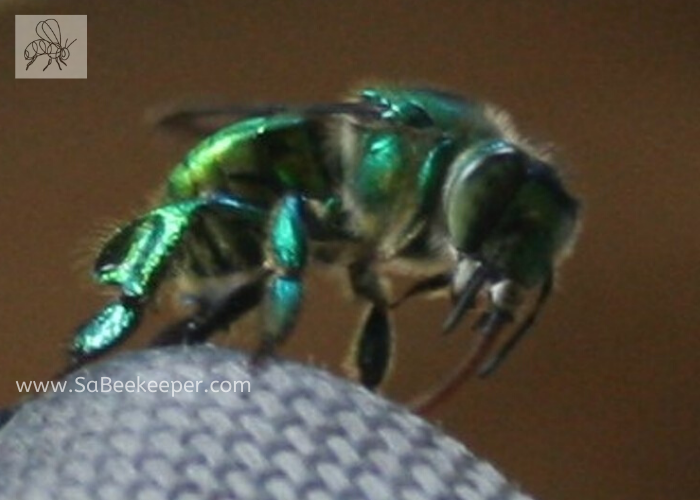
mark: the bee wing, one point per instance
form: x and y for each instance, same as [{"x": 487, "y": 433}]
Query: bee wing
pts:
[
  {"x": 201, "y": 120},
  {"x": 49, "y": 30}
]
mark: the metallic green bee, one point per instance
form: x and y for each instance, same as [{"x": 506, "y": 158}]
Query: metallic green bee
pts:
[{"x": 407, "y": 180}]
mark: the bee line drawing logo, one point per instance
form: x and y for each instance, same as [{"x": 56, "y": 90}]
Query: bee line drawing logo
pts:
[{"x": 49, "y": 44}]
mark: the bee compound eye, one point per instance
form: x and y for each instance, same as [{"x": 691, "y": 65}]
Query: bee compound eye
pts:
[{"x": 483, "y": 182}]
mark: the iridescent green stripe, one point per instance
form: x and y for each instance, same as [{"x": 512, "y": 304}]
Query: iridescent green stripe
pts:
[
  {"x": 283, "y": 302},
  {"x": 155, "y": 237},
  {"x": 289, "y": 246},
  {"x": 110, "y": 326},
  {"x": 151, "y": 242}
]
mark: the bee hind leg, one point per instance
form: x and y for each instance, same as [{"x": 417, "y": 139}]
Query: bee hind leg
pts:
[
  {"x": 136, "y": 259},
  {"x": 214, "y": 316},
  {"x": 111, "y": 326}
]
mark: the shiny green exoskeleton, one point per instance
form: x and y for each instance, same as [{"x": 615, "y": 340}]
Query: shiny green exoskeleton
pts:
[{"x": 414, "y": 181}]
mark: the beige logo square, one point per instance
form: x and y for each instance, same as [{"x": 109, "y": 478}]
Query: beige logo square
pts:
[{"x": 51, "y": 46}]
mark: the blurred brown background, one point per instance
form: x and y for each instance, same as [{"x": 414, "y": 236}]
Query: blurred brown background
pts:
[{"x": 602, "y": 401}]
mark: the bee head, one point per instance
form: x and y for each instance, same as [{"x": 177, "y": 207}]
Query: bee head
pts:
[
  {"x": 509, "y": 220},
  {"x": 508, "y": 211}
]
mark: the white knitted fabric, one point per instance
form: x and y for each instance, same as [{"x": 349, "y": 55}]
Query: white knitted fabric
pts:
[{"x": 299, "y": 433}]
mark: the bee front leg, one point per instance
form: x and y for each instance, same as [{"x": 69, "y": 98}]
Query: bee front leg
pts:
[
  {"x": 372, "y": 348},
  {"x": 427, "y": 286},
  {"x": 287, "y": 254}
]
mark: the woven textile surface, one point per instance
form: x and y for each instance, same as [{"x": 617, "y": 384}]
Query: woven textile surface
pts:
[{"x": 299, "y": 433}]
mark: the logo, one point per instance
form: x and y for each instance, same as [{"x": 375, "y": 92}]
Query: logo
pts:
[
  {"x": 49, "y": 44},
  {"x": 50, "y": 41}
]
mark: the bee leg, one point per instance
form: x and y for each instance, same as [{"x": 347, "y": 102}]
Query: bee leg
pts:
[
  {"x": 108, "y": 328},
  {"x": 427, "y": 285},
  {"x": 136, "y": 259},
  {"x": 370, "y": 355},
  {"x": 373, "y": 346},
  {"x": 287, "y": 255},
  {"x": 211, "y": 317}
]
